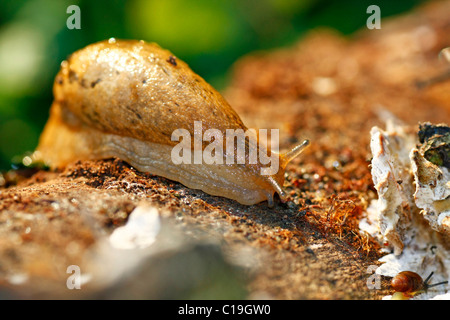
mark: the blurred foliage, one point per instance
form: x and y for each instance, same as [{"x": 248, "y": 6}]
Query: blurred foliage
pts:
[{"x": 208, "y": 34}]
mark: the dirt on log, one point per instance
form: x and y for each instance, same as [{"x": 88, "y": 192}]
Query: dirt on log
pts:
[{"x": 328, "y": 88}]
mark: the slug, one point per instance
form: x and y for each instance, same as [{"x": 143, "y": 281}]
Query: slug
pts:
[{"x": 126, "y": 98}]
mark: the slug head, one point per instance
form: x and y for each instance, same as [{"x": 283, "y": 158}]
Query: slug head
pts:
[{"x": 276, "y": 181}]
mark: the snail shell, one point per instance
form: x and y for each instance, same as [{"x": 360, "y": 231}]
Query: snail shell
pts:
[
  {"x": 407, "y": 281},
  {"x": 410, "y": 283},
  {"x": 125, "y": 98}
]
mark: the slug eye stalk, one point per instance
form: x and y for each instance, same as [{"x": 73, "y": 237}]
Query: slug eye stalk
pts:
[{"x": 295, "y": 152}]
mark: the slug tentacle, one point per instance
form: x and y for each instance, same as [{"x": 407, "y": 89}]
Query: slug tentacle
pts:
[
  {"x": 127, "y": 98},
  {"x": 277, "y": 188},
  {"x": 296, "y": 151},
  {"x": 285, "y": 158}
]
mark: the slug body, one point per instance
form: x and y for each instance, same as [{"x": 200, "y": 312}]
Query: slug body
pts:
[{"x": 125, "y": 99}]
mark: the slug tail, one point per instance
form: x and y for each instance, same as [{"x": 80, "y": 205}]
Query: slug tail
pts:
[{"x": 297, "y": 150}]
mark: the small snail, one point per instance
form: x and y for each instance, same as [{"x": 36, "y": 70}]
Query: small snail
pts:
[
  {"x": 408, "y": 283},
  {"x": 125, "y": 98}
]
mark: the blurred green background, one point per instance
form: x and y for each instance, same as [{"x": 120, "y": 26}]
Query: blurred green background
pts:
[{"x": 208, "y": 34}]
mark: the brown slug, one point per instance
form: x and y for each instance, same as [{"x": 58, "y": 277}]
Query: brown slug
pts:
[{"x": 126, "y": 98}]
